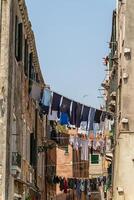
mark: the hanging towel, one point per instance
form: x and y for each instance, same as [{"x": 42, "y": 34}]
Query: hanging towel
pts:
[
  {"x": 64, "y": 119},
  {"x": 52, "y": 115},
  {"x": 56, "y": 103},
  {"x": 85, "y": 113},
  {"x": 78, "y": 115},
  {"x": 46, "y": 101},
  {"x": 65, "y": 106},
  {"x": 85, "y": 144},
  {"x": 73, "y": 113},
  {"x": 82, "y": 185},
  {"x": 65, "y": 186},
  {"x": 78, "y": 191},
  {"x": 83, "y": 128},
  {"x": 46, "y": 98},
  {"x": 97, "y": 116}
]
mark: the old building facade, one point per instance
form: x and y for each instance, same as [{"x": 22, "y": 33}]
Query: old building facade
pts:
[
  {"x": 123, "y": 168},
  {"x": 22, "y": 128}
]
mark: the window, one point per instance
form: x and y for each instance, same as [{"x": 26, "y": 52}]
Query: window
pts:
[
  {"x": 18, "y": 39},
  {"x": 26, "y": 58},
  {"x": 94, "y": 159},
  {"x": 32, "y": 150},
  {"x": 31, "y": 70}
]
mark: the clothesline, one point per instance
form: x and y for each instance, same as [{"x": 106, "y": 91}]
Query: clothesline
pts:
[{"x": 74, "y": 100}]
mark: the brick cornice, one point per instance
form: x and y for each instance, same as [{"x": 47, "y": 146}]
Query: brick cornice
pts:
[{"x": 30, "y": 37}]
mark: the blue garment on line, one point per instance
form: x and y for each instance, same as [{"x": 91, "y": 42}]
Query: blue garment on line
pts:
[
  {"x": 78, "y": 191},
  {"x": 46, "y": 99},
  {"x": 64, "y": 119}
]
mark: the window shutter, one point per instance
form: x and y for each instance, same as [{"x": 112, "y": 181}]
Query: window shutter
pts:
[
  {"x": 30, "y": 71},
  {"x": 94, "y": 159},
  {"x": 16, "y": 37},
  {"x": 20, "y": 41},
  {"x": 26, "y": 58}
]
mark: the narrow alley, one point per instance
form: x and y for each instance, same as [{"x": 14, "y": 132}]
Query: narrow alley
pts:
[{"x": 53, "y": 147}]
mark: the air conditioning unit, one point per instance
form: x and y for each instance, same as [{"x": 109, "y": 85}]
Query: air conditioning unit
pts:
[
  {"x": 127, "y": 51},
  {"x": 120, "y": 190},
  {"x": 124, "y": 120},
  {"x": 125, "y": 75}
]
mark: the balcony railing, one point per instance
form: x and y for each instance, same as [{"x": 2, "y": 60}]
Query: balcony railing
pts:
[{"x": 16, "y": 159}]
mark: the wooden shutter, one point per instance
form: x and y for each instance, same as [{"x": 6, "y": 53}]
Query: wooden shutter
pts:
[{"x": 94, "y": 159}]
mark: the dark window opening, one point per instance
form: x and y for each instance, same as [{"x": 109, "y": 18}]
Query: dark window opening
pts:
[
  {"x": 37, "y": 78},
  {"x": 31, "y": 70},
  {"x": 20, "y": 41},
  {"x": 26, "y": 58},
  {"x": 16, "y": 37}
]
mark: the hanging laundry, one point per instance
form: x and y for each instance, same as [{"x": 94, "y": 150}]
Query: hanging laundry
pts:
[
  {"x": 56, "y": 180},
  {"x": 97, "y": 116},
  {"x": 85, "y": 144},
  {"x": 78, "y": 191},
  {"x": 61, "y": 184},
  {"x": 82, "y": 185},
  {"x": 88, "y": 196},
  {"x": 108, "y": 126},
  {"x": 46, "y": 100},
  {"x": 102, "y": 126},
  {"x": 91, "y": 118},
  {"x": 96, "y": 128},
  {"x": 91, "y": 135},
  {"x": 94, "y": 145},
  {"x": 52, "y": 115},
  {"x": 65, "y": 106},
  {"x": 103, "y": 116},
  {"x": 83, "y": 128},
  {"x": 71, "y": 140},
  {"x": 36, "y": 92},
  {"x": 56, "y": 102},
  {"x": 109, "y": 157},
  {"x": 65, "y": 186},
  {"x": 71, "y": 183},
  {"x": 78, "y": 115},
  {"x": 108, "y": 144},
  {"x": 64, "y": 119},
  {"x": 102, "y": 143},
  {"x": 76, "y": 143},
  {"x": 73, "y": 113},
  {"x": 85, "y": 113}
]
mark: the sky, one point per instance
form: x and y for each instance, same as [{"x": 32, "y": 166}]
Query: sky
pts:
[{"x": 72, "y": 38}]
